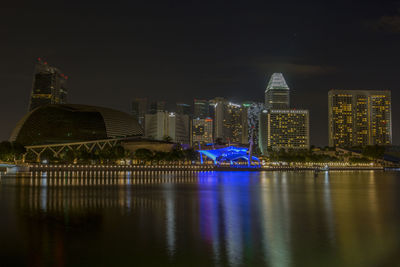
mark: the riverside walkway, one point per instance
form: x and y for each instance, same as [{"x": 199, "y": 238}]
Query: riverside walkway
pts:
[{"x": 194, "y": 168}]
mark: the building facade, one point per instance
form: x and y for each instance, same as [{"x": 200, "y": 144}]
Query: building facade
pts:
[
  {"x": 139, "y": 109},
  {"x": 183, "y": 109},
  {"x": 201, "y": 109},
  {"x": 163, "y": 124},
  {"x": 202, "y": 131},
  {"x": 277, "y": 93},
  {"x": 157, "y": 106},
  {"x": 230, "y": 121},
  {"x": 253, "y": 109},
  {"x": 65, "y": 123},
  {"x": 359, "y": 118},
  {"x": 49, "y": 86},
  {"x": 283, "y": 129}
]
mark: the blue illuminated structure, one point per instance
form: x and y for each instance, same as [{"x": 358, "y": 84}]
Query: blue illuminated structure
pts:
[{"x": 227, "y": 154}]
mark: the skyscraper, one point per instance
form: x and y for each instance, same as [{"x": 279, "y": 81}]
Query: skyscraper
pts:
[
  {"x": 253, "y": 109},
  {"x": 284, "y": 129},
  {"x": 277, "y": 93},
  {"x": 183, "y": 109},
  {"x": 230, "y": 121},
  {"x": 163, "y": 124},
  {"x": 139, "y": 109},
  {"x": 201, "y": 109},
  {"x": 202, "y": 131},
  {"x": 359, "y": 118},
  {"x": 49, "y": 86},
  {"x": 157, "y": 106}
]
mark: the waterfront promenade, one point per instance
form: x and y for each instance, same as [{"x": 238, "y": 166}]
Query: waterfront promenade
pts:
[{"x": 194, "y": 167}]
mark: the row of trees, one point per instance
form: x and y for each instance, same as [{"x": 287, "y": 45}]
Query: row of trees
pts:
[
  {"x": 11, "y": 151},
  {"x": 368, "y": 154},
  {"x": 299, "y": 156},
  {"x": 114, "y": 154}
]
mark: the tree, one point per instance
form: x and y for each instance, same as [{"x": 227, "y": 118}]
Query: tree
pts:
[
  {"x": 374, "y": 152},
  {"x": 6, "y": 151},
  {"x": 143, "y": 154},
  {"x": 167, "y": 138}
]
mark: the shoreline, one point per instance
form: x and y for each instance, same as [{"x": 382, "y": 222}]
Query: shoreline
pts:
[{"x": 193, "y": 168}]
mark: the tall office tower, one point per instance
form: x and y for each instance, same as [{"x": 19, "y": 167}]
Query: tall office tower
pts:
[
  {"x": 283, "y": 129},
  {"x": 202, "y": 131},
  {"x": 49, "y": 86},
  {"x": 253, "y": 110},
  {"x": 201, "y": 109},
  {"x": 183, "y": 109},
  {"x": 359, "y": 118},
  {"x": 139, "y": 109},
  {"x": 230, "y": 121},
  {"x": 277, "y": 93},
  {"x": 163, "y": 124},
  {"x": 157, "y": 106}
]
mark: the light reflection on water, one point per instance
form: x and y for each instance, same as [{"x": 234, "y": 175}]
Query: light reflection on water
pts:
[{"x": 201, "y": 219}]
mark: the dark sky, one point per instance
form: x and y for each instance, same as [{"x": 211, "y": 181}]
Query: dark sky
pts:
[{"x": 177, "y": 51}]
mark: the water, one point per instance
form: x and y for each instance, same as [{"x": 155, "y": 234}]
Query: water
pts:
[{"x": 200, "y": 219}]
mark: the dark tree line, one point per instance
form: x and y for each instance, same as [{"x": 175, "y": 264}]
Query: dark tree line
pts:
[{"x": 11, "y": 151}]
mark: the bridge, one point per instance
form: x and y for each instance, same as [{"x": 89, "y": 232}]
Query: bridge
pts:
[{"x": 56, "y": 149}]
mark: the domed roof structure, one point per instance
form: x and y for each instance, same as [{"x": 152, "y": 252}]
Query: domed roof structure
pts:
[{"x": 65, "y": 123}]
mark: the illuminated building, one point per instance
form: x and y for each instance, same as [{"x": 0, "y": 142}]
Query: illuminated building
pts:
[
  {"x": 163, "y": 124},
  {"x": 202, "y": 131},
  {"x": 230, "y": 121},
  {"x": 253, "y": 110},
  {"x": 277, "y": 93},
  {"x": 49, "y": 86},
  {"x": 201, "y": 109},
  {"x": 359, "y": 118},
  {"x": 284, "y": 129},
  {"x": 139, "y": 109},
  {"x": 229, "y": 154}
]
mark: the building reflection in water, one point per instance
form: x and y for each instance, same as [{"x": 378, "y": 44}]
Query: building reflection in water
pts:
[
  {"x": 170, "y": 217},
  {"x": 240, "y": 218}
]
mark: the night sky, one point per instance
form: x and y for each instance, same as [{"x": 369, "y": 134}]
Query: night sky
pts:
[{"x": 177, "y": 51}]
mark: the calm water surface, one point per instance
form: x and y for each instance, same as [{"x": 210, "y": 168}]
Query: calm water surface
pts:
[{"x": 200, "y": 219}]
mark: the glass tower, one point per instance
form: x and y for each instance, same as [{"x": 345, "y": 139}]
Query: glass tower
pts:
[
  {"x": 49, "y": 86},
  {"x": 277, "y": 93}
]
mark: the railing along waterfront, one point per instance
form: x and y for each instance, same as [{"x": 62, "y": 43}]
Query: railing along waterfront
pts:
[{"x": 194, "y": 167}]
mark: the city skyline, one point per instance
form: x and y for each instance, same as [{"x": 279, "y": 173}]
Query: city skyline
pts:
[{"x": 110, "y": 66}]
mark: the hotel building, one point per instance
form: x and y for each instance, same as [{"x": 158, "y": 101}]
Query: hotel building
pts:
[
  {"x": 359, "y": 118},
  {"x": 163, "y": 124},
  {"x": 283, "y": 129}
]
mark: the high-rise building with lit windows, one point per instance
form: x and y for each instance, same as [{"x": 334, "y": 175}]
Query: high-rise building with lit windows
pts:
[
  {"x": 230, "y": 121},
  {"x": 359, "y": 118},
  {"x": 277, "y": 93},
  {"x": 283, "y": 129},
  {"x": 165, "y": 124},
  {"x": 49, "y": 86},
  {"x": 202, "y": 131}
]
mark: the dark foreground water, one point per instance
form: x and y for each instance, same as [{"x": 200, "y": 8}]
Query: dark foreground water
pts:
[{"x": 206, "y": 219}]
